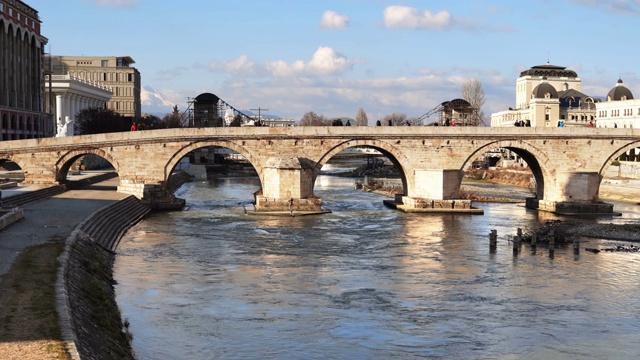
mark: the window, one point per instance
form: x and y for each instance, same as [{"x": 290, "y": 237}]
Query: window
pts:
[
  {"x": 104, "y": 76},
  {"x": 1, "y": 7},
  {"x": 130, "y": 77},
  {"x": 104, "y": 63}
]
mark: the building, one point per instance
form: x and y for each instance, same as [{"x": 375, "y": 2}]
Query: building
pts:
[
  {"x": 548, "y": 95},
  {"x": 457, "y": 112},
  {"x": 114, "y": 72},
  {"x": 620, "y": 110},
  {"x": 69, "y": 94},
  {"x": 22, "y": 109}
]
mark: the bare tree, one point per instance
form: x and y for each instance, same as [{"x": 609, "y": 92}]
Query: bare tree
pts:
[
  {"x": 472, "y": 92},
  {"x": 399, "y": 119},
  {"x": 313, "y": 119},
  {"x": 361, "y": 118}
]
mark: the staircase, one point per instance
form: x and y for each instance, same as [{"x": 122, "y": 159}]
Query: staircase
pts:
[{"x": 107, "y": 225}]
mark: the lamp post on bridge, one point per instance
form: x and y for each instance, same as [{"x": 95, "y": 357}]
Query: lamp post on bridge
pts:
[{"x": 259, "y": 117}]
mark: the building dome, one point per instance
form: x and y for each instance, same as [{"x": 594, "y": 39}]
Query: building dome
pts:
[
  {"x": 619, "y": 92},
  {"x": 544, "y": 91},
  {"x": 549, "y": 70}
]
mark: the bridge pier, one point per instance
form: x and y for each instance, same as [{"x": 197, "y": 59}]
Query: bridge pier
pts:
[
  {"x": 287, "y": 184},
  {"x": 413, "y": 204},
  {"x": 436, "y": 191},
  {"x": 155, "y": 196},
  {"x": 573, "y": 193}
]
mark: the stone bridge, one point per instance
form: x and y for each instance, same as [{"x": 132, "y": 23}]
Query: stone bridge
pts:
[{"x": 568, "y": 163}]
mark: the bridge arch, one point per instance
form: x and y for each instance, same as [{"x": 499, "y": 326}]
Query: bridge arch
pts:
[
  {"x": 395, "y": 155},
  {"x": 18, "y": 161},
  {"x": 63, "y": 165},
  {"x": 175, "y": 158},
  {"x": 534, "y": 157},
  {"x": 617, "y": 154}
]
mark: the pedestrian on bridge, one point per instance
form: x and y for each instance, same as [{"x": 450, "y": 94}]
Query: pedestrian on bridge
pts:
[{"x": 378, "y": 123}]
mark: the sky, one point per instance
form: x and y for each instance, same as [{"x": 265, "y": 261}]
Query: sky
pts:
[{"x": 333, "y": 57}]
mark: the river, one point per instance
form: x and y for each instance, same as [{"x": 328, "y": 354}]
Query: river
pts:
[{"x": 366, "y": 282}]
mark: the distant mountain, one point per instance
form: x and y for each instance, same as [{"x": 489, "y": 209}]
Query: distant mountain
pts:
[
  {"x": 153, "y": 103},
  {"x": 263, "y": 115}
]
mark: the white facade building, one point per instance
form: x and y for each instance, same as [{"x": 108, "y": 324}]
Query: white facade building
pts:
[
  {"x": 620, "y": 110},
  {"x": 548, "y": 95},
  {"x": 71, "y": 95}
]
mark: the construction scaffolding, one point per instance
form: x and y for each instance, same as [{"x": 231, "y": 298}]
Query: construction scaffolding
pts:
[{"x": 457, "y": 112}]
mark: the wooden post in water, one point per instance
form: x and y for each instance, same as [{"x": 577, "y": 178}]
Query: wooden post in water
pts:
[
  {"x": 552, "y": 243},
  {"x": 493, "y": 240},
  {"x": 516, "y": 244},
  {"x": 576, "y": 246},
  {"x": 534, "y": 240}
]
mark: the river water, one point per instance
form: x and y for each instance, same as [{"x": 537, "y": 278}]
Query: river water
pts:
[{"x": 366, "y": 282}]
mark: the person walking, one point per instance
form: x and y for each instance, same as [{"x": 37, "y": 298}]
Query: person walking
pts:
[
  {"x": 390, "y": 122},
  {"x": 134, "y": 127},
  {"x": 378, "y": 123}
]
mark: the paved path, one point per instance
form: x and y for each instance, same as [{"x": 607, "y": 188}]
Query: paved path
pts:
[{"x": 55, "y": 217}]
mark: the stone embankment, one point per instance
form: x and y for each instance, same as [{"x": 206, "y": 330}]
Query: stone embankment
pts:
[{"x": 91, "y": 323}]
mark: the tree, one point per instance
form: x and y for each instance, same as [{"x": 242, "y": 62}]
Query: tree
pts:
[
  {"x": 173, "y": 120},
  {"x": 97, "y": 120},
  {"x": 313, "y": 119},
  {"x": 148, "y": 122},
  {"x": 473, "y": 93},
  {"x": 361, "y": 118},
  {"x": 237, "y": 121},
  {"x": 398, "y": 119}
]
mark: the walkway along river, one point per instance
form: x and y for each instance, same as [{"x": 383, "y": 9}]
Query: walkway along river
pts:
[{"x": 366, "y": 282}]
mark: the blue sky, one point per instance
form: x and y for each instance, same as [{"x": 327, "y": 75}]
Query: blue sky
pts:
[{"x": 333, "y": 57}]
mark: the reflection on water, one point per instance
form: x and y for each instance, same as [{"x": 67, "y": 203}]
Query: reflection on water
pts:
[{"x": 365, "y": 282}]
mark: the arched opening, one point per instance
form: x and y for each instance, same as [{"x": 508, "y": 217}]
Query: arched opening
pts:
[
  {"x": 623, "y": 163},
  {"x": 503, "y": 172},
  {"x": 81, "y": 167},
  {"x": 360, "y": 166},
  {"x": 222, "y": 174},
  {"x": 11, "y": 173}
]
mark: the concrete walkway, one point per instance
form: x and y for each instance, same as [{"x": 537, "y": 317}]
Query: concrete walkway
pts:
[{"x": 53, "y": 218}]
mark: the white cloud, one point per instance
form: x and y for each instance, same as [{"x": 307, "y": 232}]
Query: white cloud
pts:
[
  {"x": 242, "y": 66},
  {"x": 325, "y": 61},
  {"x": 398, "y": 16},
  {"x": 332, "y": 20}
]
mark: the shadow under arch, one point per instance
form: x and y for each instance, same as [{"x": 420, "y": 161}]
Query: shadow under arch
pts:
[
  {"x": 64, "y": 163},
  {"x": 622, "y": 150},
  {"x": 184, "y": 151},
  {"x": 533, "y": 156},
  {"x": 394, "y": 154},
  {"x": 9, "y": 158}
]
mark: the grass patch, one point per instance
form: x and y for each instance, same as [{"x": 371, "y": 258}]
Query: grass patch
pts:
[{"x": 28, "y": 300}]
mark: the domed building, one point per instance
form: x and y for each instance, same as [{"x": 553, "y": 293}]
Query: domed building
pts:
[
  {"x": 546, "y": 96},
  {"x": 620, "y": 110}
]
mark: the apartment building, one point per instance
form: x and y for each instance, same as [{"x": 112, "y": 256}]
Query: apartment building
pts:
[
  {"x": 22, "y": 107},
  {"x": 114, "y": 72}
]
